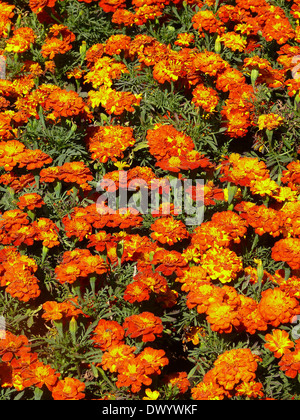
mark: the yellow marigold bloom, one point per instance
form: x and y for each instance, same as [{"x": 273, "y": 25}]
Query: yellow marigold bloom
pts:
[
  {"x": 234, "y": 41},
  {"x": 185, "y": 39},
  {"x": 264, "y": 187},
  {"x": 21, "y": 40},
  {"x": 269, "y": 121},
  {"x": 286, "y": 194},
  {"x": 151, "y": 395},
  {"x": 222, "y": 264},
  {"x": 278, "y": 343}
]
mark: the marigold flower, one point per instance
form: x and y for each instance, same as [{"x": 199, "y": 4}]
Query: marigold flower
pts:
[
  {"x": 145, "y": 325},
  {"x": 233, "y": 41},
  {"x": 291, "y": 176},
  {"x": 13, "y": 346},
  {"x": 168, "y": 230},
  {"x": 234, "y": 366},
  {"x": 210, "y": 63},
  {"x": 115, "y": 355},
  {"x": 169, "y": 262},
  {"x": 230, "y": 79},
  {"x": 153, "y": 360},
  {"x": 178, "y": 380},
  {"x": 222, "y": 317},
  {"x": 224, "y": 265},
  {"x": 208, "y": 391},
  {"x": 47, "y": 232},
  {"x": 30, "y": 201},
  {"x": 68, "y": 389},
  {"x": 261, "y": 218},
  {"x": 287, "y": 250},
  {"x": 277, "y": 307},
  {"x": 242, "y": 170},
  {"x": 21, "y": 40},
  {"x": 203, "y": 297},
  {"x": 58, "y": 41},
  {"x": 278, "y": 343},
  {"x": 185, "y": 39},
  {"x": 137, "y": 292},
  {"x": 38, "y": 374},
  {"x": 132, "y": 373},
  {"x": 205, "y": 97},
  {"x": 290, "y": 362},
  {"x": 250, "y": 389},
  {"x": 112, "y": 5},
  {"x": 206, "y": 21},
  {"x": 37, "y": 6},
  {"x": 107, "y": 334},
  {"x": 109, "y": 142},
  {"x": 269, "y": 121}
]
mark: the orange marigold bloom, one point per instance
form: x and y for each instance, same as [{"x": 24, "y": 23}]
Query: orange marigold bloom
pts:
[
  {"x": 242, "y": 170},
  {"x": 37, "y": 6},
  {"x": 38, "y": 374},
  {"x": 68, "y": 389},
  {"x": 137, "y": 292},
  {"x": 206, "y": 21},
  {"x": 11, "y": 153},
  {"x": 185, "y": 39},
  {"x": 145, "y": 325},
  {"x": 58, "y": 41},
  {"x": 115, "y": 355},
  {"x": 30, "y": 201},
  {"x": 278, "y": 28},
  {"x": 203, "y": 297},
  {"x": 33, "y": 159},
  {"x": 278, "y": 343},
  {"x": 290, "y": 362},
  {"x": 13, "y": 346},
  {"x": 109, "y": 142},
  {"x": 233, "y": 367},
  {"x": 232, "y": 223},
  {"x": 208, "y": 391},
  {"x": 277, "y": 307},
  {"x": 178, "y": 380},
  {"x": 46, "y": 231},
  {"x": 21, "y": 40},
  {"x": 107, "y": 334},
  {"x": 234, "y": 41},
  {"x": 112, "y": 5},
  {"x": 210, "y": 63},
  {"x": 132, "y": 373},
  {"x": 269, "y": 121},
  {"x": 230, "y": 79},
  {"x": 192, "y": 278},
  {"x": 169, "y": 262},
  {"x": 261, "y": 218},
  {"x": 205, "y": 97},
  {"x": 153, "y": 360},
  {"x": 291, "y": 175},
  {"x": 63, "y": 103},
  {"x": 223, "y": 264},
  {"x": 287, "y": 250},
  {"x": 250, "y": 389},
  {"x": 168, "y": 230},
  {"x": 165, "y": 141}
]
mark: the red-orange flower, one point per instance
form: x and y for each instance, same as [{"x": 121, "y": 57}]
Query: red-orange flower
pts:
[
  {"x": 145, "y": 325},
  {"x": 277, "y": 307},
  {"x": 107, "y": 334},
  {"x": 68, "y": 389},
  {"x": 279, "y": 343}
]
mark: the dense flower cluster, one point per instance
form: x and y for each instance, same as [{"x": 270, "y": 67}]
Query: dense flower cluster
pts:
[{"x": 111, "y": 111}]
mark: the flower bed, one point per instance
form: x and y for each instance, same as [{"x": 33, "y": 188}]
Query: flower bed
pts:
[{"x": 150, "y": 181}]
